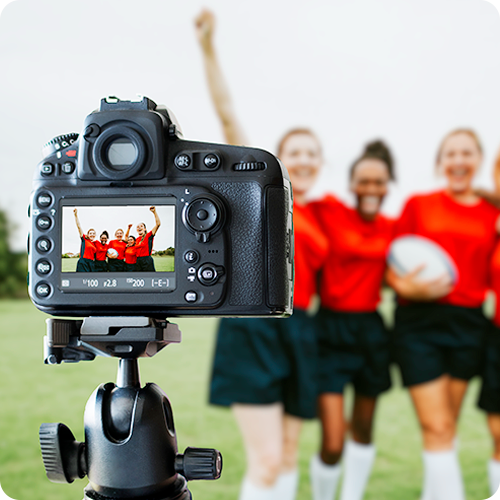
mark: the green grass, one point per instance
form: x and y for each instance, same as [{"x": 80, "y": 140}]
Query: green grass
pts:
[
  {"x": 162, "y": 264},
  {"x": 32, "y": 393}
]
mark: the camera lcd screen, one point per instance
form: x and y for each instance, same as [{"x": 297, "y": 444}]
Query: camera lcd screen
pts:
[{"x": 119, "y": 247}]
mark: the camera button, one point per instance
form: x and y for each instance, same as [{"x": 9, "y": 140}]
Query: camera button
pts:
[
  {"x": 202, "y": 215},
  {"x": 182, "y": 161},
  {"x": 211, "y": 161},
  {"x": 208, "y": 275},
  {"x": 68, "y": 167},
  {"x": 43, "y": 245},
  {"x": 43, "y": 222},
  {"x": 43, "y": 290},
  {"x": 191, "y": 256},
  {"x": 47, "y": 169},
  {"x": 44, "y": 200},
  {"x": 43, "y": 267},
  {"x": 191, "y": 297}
]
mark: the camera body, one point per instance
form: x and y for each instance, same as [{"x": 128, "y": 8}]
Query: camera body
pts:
[{"x": 209, "y": 225}]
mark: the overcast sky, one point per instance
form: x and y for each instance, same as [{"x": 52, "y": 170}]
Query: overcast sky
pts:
[{"x": 353, "y": 70}]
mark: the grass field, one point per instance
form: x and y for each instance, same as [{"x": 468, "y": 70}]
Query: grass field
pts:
[
  {"x": 162, "y": 264},
  {"x": 32, "y": 393}
]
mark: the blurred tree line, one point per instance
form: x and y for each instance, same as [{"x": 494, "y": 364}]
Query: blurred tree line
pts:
[{"x": 13, "y": 265}]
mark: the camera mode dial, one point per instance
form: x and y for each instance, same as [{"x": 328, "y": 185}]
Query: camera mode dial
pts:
[{"x": 58, "y": 143}]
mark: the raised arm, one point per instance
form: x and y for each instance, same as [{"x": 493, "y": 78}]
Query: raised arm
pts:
[
  {"x": 75, "y": 211},
  {"x": 221, "y": 98},
  {"x": 128, "y": 231},
  {"x": 157, "y": 220}
]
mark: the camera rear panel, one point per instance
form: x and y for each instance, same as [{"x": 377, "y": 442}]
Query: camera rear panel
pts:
[{"x": 227, "y": 208}]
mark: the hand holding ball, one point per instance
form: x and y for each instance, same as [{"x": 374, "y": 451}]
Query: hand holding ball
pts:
[
  {"x": 410, "y": 252},
  {"x": 112, "y": 253}
]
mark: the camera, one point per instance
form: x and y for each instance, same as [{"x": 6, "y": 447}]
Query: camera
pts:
[{"x": 128, "y": 218}]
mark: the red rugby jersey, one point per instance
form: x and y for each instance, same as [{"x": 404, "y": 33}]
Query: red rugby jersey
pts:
[
  {"x": 353, "y": 272},
  {"x": 100, "y": 253},
  {"x": 495, "y": 281},
  {"x": 466, "y": 232},
  {"x": 144, "y": 246},
  {"x": 131, "y": 255},
  {"x": 87, "y": 249},
  {"x": 119, "y": 246},
  {"x": 311, "y": 247}
]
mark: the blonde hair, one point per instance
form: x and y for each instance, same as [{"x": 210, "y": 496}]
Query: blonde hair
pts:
[
  {"x": 467, "y": 131},
  {"x": 296, "y": 131}
]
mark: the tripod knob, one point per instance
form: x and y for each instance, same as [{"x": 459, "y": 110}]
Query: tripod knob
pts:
[
  {"x": 63, "y": 457},
  {"x": 199, "y": 463}
]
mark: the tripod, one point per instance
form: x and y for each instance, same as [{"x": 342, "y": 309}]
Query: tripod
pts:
[{"x": 130, "y": 448}]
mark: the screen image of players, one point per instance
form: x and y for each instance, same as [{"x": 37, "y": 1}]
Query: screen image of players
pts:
[{"x": 154, "y": 251}]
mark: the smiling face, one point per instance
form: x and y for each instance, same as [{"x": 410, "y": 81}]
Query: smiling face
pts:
[
  {"x": 459, "y": 159},
  {"x": 104, "y": 239},
  {"x": 119, "y": 234},
  {"x": 91, "y": 234},
  {"x": 131, "y": 241},
  {"x": 141, "y": 229},
  {"x": 369, "y": 182},
  {"x": 301, "y": 156}
]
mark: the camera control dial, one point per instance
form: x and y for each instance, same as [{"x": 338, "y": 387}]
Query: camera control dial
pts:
[
  {"x": 58, "y": 143},
  {"x": 203, "y": 217}
]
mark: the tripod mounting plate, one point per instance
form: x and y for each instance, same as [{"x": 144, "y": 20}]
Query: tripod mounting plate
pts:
[{"x": 72, "y": 341}]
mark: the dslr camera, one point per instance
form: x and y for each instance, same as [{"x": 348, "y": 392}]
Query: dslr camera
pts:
[{"x": 128, "y": 218}]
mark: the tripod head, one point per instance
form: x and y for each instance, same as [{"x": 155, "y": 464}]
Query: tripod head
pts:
[{"x": 130, "y": 448}]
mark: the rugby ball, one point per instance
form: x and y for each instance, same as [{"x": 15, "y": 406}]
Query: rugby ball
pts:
[
  {"x": 112, "y": 253},
  {"x": 406, "y": 253}
]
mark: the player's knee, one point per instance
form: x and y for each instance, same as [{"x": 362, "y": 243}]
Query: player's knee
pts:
[
  {"x": 439, "y": 431},
  {"x": 269, "y": 467},
  {"x": 290, "y": 454},
  {"x": 331, "y": 451},
  {"x": 361, "y": 431}
]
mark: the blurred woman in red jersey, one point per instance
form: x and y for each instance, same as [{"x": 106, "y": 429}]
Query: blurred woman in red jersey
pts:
[
  {"x": 489, "y": 399},
  {"x": 265, "y": 368},
  {"x": 440, "y": 327},
  {"x": 353, "y": 343},
  {"x": 85, "y": 263}
]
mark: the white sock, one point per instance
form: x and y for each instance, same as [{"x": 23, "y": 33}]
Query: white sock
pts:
[
  {"x": 358, "y": 462},
  {"x": 324, "y": 479},
  {"x": 442, "y": 471},
  {"x": 494, "y": 475},
  {"x": 425, "y": 492},
  {"x": 250, "y": 491},
  {"x": 286, "y": 485}
]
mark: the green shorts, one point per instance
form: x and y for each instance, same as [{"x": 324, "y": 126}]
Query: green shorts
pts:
[
  {"x": 353, "y": 348},
  {"x": 489, "y": 398},
  {"x": 145, "y": 264},
  {"x": 85, "y": 266},
  {"x": 116, "y": 265},
  {"x": 100, "y": 266},
  {"x": 431, "y": 340},
  {"x": 264, "y": 361}
]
